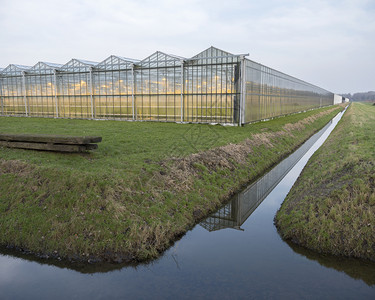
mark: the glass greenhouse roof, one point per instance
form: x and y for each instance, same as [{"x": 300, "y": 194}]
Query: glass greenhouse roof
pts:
[
  {"x": 13, "y": 69},
  {"x": 22, "y": 67},
  {"x": 43, "y": 67},
  {"x": 78, "y": 65},
  {"x": 87, "y": 62},
  {"x": 52, "y": 65},
  {"x": 159, "y": 59},
  {"x": 114, "y": 62},
  {"x": 212, "y": 52},
  {"x": 127, "y": 59}
]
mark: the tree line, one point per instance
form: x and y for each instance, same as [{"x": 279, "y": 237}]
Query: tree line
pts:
[{"x": 365, "y": 96}]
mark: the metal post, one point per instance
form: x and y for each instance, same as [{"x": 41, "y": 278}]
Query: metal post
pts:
[
  {"x": 1, "y": 97},
  {"x": 24, "y": 92},
  {"x": 182, "y": 91},
  {"x": 55, "y": 91},
  {"x": 93, "y": 112},
  {"x": 133, "y": 89},
  {"x": 243, "y": 90}
]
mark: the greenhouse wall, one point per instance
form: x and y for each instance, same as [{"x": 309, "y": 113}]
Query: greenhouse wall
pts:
[
  {"x": 213, "y": 86},
  {"x": 158, "y": 81},
  {"x": 13, "y": 93},
  {"x": 269, "y": 93},
  {"x": 40, "y": 90}
]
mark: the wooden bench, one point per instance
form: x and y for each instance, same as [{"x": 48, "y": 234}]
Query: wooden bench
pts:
[{"x": 50, "y": 142}]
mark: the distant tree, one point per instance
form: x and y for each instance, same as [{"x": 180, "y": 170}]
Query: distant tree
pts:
[{"x": 362, "y": 96}]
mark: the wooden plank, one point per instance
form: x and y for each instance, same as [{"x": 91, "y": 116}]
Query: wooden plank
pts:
[
  {"x": 52, "y": 139},
  {"x": 49, "y": 147}
]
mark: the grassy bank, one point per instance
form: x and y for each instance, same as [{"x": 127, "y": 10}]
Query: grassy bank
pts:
[
  {"x": 331, "y": 208},
  {"x": 146, "y": 185}
]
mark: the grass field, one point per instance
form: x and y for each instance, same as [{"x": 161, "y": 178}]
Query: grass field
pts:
[
  {"x": 145, "y": 186},
  {"x": 331, "y": 208}
]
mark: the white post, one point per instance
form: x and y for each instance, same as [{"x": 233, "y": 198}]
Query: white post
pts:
[
  {"x": 24, "y": 92},
  {"x": 93, "y": 113},
  {"x": 243, "y": 90},
  {"x": 1, "y": 97},
  {"x": 133, "y": 90},
  {"x": 55, "y": 91},
  {"x": 182, "y": 91}
]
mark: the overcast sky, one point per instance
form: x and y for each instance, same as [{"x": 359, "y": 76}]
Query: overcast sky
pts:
[{"x": 330, "y": 43}]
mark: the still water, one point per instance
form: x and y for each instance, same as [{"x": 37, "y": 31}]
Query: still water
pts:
[{"x": 235, "y": 253}]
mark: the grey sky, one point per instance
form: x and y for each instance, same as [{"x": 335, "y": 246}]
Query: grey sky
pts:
[{"x": 327, "y": 43}]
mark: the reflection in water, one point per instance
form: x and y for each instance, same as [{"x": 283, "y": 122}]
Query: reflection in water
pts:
[
  {"x": 82, "y": 267},
  {"x": 243, "y": 204},
  {"x": 355, "y": 268}
]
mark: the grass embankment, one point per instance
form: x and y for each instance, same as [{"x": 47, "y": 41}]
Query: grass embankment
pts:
[
  {"x": 331, "y": 208},
  {"x": 147, "y": 184}
]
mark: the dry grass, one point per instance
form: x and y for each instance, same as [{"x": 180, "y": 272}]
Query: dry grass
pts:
[
  {"x": 14, "y": 167},
  {"x": 181, "y": 171}
]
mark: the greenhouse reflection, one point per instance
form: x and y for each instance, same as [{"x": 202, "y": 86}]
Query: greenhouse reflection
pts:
[{"x": 243, "y": 204}]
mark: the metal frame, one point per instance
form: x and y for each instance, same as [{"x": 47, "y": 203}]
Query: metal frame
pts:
[
  {"x": 213, "y": 86},
  {"x": 1, "y": 94},
  {"x": 55, "y": 93}
]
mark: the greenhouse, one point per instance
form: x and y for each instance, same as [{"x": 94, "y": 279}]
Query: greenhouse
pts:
[{"x": 213, "y": 86}]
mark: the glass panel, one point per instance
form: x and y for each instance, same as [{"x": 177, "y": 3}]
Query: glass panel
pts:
[
  {"x": 270, "y": 93},
  {"x": 210, "y": 91},
  {"x": 13, "y": 102}
]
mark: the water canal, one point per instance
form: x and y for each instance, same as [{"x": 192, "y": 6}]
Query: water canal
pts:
[{"x": 235, "y": 253}]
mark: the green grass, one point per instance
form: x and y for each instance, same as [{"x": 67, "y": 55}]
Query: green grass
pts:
[
  {"x": 331, "y": 208},
  {"x": 146, "y": 185}
]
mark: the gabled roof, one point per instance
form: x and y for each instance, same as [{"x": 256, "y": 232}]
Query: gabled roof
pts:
[
  {"x": 15, "y": 69},
  {"x": 212, "y": 52},
  {"x": 214, "y": 55},
  {"x": 44, "y": 67},
  {"x": 52, "y": 65},
  {"x": 116, "y": 63},
  {"x": 127, "y": 59},
  {"x": 177, "y": 56},
  {"x": 160, "y": 59},
  {"x": 78, "y": 65}
]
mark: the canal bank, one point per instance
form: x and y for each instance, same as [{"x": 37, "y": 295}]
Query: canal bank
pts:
[
  {"x": 331, "y": 208},
  {"x": 145, "y": 186},
  {"x": 208, "y": 262}
]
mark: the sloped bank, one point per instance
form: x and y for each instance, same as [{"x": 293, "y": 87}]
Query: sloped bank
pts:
[
  {"x": 331, "y": 207},
  {"x": 64, "y": 211}
]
